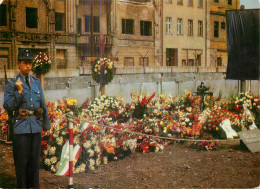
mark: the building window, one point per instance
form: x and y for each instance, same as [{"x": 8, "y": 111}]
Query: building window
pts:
[
  {"x": 146, "y": 28},
  {"x": 191, "y": 62},
  {"x": 179, "y": 26},
  {"x": 219, "y": 61},
  {"x": 129, "y": 61},
  {"x": 88, "y": 24},
  {"x": 171, "y": 57},
  {"x": 179, "y": 2},
  {"x": 60, "y": 59},
  {"x": 127, "y": 26},
  {"x": 96, "y": 24},
  {"x": 169, "y": 1},
  {"x": 143, "y": 61},
  {"x": 3, "y": 15},
  {"x": 223, "y": 25},
  {"x": 190, "y": 3},
  {"x": 183, "y": 62},
  {"x": 198, "y": 60},
  {"x": 230, "y": 2},
  {"x": 200, "y": 28},
  {"x": 31, "y": 17},
  {"x": 168, "y": 25},
  {"x": 59, "y": 21},
  {"x": 216, "y": 29},
  {"x": 200, "y": 3},
  {"x": 216, "y": 1},
  {"x": 79, "y": 26},
  {"x": 190, "y": 27}
]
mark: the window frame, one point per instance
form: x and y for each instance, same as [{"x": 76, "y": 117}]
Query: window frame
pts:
[
  {"x": 125, "y": 58},
  {"x": 31, "y": 17},
  {"x": 169, "y": 25},
  {"x": 179, "y": 26},
  {"x": 190, "y": 3},
  {"x": 124, "y": 26},
  {"x": 200, "y": 3},
  {"x": 143, "y": 28},
  {"x": 190, "y": 27},
  {"x": 3, "y": 15},
  {"x": 216, "y": 29},
  {"x": 179, "y": 2},
  {"x": 200, "y": 28}
]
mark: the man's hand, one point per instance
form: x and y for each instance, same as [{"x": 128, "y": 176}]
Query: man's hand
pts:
[
  {"x": 46, "y": 132},
  {"x": 19, "y": 85}
]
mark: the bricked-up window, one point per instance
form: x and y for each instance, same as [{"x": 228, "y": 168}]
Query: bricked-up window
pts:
[
  {"x": 200, "y": 3},
  {"x": 219, "y": 61},
  {"x": 146, "y": 28},
  {"x": 59, "y": 21},
  {"x": 200, "y": 28},
  {"x": 31, "y": 17},
  {"x": 171, "y": 57},
  {"x": 179, "y": 26},
  {"x": 230, "y": 2},
  {"x": 3, "y": 15},
  {"x": 61, "y": 59},
  {"x": 168, "y": 25},
  {"x": 179, "y": 2},
  {"x": 129, "y": 61},
  {"x": 183, "y": 62},
  {"x": 96, "y": 24},
  {"x": 190, "y": 27},
  {"x": 169, "y": 1},
  {"x": 216, "y": 29},
  {"x": 190, "y": 3},
  {"x": 127, "y": 26},
  {"x": 143, "y": 61}
]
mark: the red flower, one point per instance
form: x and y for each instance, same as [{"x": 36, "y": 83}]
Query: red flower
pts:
[
  {"x": 44, "y": 142},
  {"x": 43, "y": 157}
]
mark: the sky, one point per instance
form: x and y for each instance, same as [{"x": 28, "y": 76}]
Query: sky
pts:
[{"x": 250, "y": 4}]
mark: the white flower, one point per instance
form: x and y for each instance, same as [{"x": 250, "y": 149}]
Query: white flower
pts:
[
  {"x": 91, "y": 153},
  {"x": 76, "y": 139},
  {"x": 47, "y": 161},
  {"x": 92, "y": 168},
  {"x": 53, "y": 159},
  {"x": 52, "y": 150},
  {"x": 87, "y": 144},
  {"x": 91, "y": 162},
  {"x": 59, "y": 140},
  {"x": 53, "y": 169},
  {"x": 57, "y": 165}
]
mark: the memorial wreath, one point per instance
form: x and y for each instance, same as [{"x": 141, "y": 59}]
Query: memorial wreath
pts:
[{"x": 42, "y": 63}]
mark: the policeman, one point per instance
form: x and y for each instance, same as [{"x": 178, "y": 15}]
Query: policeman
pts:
[{"x": 24, "y": 97}]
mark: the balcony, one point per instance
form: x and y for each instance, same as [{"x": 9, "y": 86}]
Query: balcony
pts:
[{"x": 86, "y": 39}]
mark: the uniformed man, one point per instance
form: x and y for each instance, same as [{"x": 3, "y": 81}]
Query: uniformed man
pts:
[{"x": 24, "y": 97}]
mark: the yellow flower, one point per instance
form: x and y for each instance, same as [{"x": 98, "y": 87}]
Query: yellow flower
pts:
[{"x": 216, "y": 128}]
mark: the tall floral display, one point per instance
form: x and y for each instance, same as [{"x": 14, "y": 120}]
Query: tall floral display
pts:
[
  {"x": 42, "y": 64},
  {"x": 103, "y": 72}
]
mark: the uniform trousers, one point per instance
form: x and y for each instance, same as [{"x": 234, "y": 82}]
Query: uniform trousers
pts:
[{"x": 27, "y": 152}]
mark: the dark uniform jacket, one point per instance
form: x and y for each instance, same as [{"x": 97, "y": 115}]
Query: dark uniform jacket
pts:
[{"x": 31, "y": 99}]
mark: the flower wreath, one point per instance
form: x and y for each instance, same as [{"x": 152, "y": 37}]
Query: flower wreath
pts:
[
  {"x": 42, "y": 63},
  {"x": 103, "y": 67}
]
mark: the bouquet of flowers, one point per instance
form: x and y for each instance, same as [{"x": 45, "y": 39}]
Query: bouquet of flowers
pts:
[
  {"x": 42, "y": 63},
  {"x": 103, "y": 70}
]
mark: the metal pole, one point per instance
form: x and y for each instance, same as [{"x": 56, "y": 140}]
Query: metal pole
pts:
[{"x": 70, "y": 151}]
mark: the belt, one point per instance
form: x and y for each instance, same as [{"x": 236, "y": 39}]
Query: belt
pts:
[{"x": 30, "y": 113}]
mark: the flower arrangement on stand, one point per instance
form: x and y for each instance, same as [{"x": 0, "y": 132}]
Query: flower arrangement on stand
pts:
[
  {"x": 103, "y": 72},
  {"x": 3, "y": 122},
  {"x": 42, "y": 64}
]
